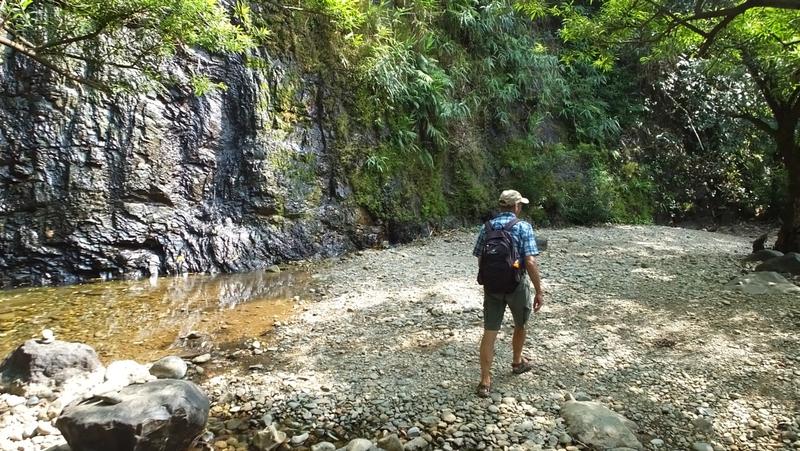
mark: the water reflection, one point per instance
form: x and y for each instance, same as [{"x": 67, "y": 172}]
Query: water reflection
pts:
[{"x": 144, "y": 319}]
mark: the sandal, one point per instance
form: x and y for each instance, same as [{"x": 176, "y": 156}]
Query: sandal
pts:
[
  {"x": 521, "y": 367},
  {"x": 483, "y": 390}
]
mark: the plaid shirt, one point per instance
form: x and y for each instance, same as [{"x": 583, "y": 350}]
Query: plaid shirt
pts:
[{"x": 521, "y": 234}]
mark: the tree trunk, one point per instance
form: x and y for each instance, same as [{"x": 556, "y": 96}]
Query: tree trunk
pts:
[{"x": 788, "y": 148}]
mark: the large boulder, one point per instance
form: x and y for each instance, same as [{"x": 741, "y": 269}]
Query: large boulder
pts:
[
  {"x": 48, "y": 365},
  {"x": 763, "y": 283},
  {"x": 596, "y": 425},
  {"x": 789, "y": 263},
  {"x": 163, "y": 415},
  {"x": 763, "y": 255}
]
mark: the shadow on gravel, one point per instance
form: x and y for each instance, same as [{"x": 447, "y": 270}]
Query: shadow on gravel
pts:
[{"x": 644, "y": 326}]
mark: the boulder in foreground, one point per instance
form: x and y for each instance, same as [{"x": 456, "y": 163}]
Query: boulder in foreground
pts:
[{"x": 163, "y": 415}]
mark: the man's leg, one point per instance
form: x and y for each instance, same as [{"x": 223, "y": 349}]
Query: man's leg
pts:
[
  {"x": 517, "y": 343},
  {"x": 520, "y": 305},
  {"x": 487, "y": 355}
]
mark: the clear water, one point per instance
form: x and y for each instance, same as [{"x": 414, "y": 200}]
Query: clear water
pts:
[{"x": 146, "y": 319}]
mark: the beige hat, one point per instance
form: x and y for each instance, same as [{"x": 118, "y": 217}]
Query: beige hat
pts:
[{"x": 510, "y": 197}]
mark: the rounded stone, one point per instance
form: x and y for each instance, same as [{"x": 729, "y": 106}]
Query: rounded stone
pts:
[{"x": 170, "y": 367}]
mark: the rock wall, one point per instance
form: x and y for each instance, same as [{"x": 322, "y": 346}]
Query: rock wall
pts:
[{"x": 99, "y": 185}]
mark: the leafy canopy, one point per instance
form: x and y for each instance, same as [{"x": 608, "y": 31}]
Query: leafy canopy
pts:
[{"x": 78, "y": 38}]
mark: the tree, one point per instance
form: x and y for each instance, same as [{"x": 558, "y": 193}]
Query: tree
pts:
[
  {"x": 754, "y": 45},
  {"x": 102, "y": 43}
]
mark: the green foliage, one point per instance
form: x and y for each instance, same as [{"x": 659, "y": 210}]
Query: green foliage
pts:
[
  {"x": 710, "y": 155},
  {"x": 113, "y": 37},
  {"x": 393, "y": 187},
  {"x": 575, "y": 184},
  {"x": 426, "y": 73},
  {"x": 202, "y": 85}
]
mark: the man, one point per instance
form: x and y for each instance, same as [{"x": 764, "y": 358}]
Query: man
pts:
[{"x": 519, "y": 300}]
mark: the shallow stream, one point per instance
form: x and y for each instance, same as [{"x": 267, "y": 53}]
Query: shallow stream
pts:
[{"x": 146, "y": 319}]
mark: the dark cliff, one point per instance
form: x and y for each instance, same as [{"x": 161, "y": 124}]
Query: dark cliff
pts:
[{"x": 98, "y": 185}]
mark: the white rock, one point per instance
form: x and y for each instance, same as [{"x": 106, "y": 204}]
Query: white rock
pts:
[
  {"x": 126, "y": 372},
  {"x": 359, "y": 444},
  {"x": 45, "y": 428},
  {"x": 170, "y": 367},
  {"x": 323, "y": 446},
  {"x": 47, "y": 336},
  {"x": 299, "y": 439},
  {"x": 202, "y": 358}
]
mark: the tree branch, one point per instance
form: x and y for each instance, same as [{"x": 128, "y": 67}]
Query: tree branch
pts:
[
  {"x": 758, "y": 122},
  {"x": 711, "y": 36},
  {"x": 30, "y": 53},
  {"x": 676, "y": 18},
  {"x": 742, "y": 7},
  {"x": 63, "y": 42},
  {"x": 761, "y": 82}
]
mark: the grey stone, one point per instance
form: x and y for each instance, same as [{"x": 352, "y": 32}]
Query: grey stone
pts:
[
  {"x": 594, "y": 424},
  {"x": 391, "y": 443},
  {"x": 269, "y": 438},
  {"x": 323, "y": 446},
  {"x": 416, "y": 444},
  {"x": 359, "y": 444},
  {"x": 789, "y": 263},
  {"x": 170, "y": 367},
  {"x": 162, "y": 415},
  {"x": 581, "y": 396},
  {"x": 202, "y": 358},
  {"x": 701, "y": 446},
  {"x": 763, "y": 255},
  {"x": 299, "y": 439},
  {"x": 762, "y": 283},
  {"x": 35, "y": 367}
]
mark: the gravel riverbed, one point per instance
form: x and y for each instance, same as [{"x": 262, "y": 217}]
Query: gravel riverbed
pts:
[
  {"x": 384, "y": 347},
  {"x": 636, "y": 317}
]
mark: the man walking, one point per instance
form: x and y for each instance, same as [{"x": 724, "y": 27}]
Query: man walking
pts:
[{"x": 499, "y": 294}]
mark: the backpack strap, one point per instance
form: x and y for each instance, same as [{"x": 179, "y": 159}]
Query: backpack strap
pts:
[{"x": 511, "y": 224}]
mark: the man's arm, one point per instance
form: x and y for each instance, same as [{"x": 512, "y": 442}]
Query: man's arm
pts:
[{"x": 533, "y": 272}]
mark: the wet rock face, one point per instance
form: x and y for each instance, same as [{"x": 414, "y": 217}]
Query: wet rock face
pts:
[{"x": 95, "y": 185}]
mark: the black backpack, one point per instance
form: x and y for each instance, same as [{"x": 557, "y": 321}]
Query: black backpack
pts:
[{"x": 497, "y": 273}]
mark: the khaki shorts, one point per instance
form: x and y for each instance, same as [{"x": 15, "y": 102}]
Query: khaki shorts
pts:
[{"x": 518, "y": 301}]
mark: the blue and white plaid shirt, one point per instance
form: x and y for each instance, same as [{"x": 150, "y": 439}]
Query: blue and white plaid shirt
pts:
[{"x": 521, "y": 233}]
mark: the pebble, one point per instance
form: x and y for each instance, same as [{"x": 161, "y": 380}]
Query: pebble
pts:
[
  {"x": 202, "y": 358},
  {"x": 299, "y": 439}
]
